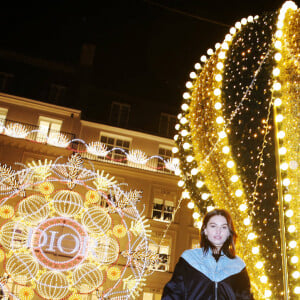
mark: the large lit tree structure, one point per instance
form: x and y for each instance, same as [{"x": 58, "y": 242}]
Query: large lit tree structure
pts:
[{"x": 238, "y": 144}]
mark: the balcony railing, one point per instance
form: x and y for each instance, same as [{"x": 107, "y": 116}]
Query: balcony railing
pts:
[
  {"x": 94, "y": 151},
  {"x": 34, "y": 133}
]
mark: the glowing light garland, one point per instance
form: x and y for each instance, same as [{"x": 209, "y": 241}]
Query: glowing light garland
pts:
[
  {"x": 220, "y": 98},
  {"x": 63, "y": 242}
]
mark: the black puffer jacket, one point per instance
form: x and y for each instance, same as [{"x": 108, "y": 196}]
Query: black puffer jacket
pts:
[{"x": 198, "y": 276}]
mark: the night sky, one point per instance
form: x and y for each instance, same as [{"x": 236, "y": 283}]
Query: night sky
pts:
[{"x": 144, "y": 49}]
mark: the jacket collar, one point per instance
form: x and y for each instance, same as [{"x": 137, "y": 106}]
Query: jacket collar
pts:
[{"x": 206, "y": 264}]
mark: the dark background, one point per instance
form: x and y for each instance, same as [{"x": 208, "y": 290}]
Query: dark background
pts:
[{"x": 144, "y": 50}]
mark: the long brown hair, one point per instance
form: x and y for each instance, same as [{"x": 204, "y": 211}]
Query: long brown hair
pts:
[{"x": 229, "y": 246}]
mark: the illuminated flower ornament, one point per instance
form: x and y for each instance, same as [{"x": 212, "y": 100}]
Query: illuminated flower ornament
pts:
[
  {"x": 225, "y": 143},
  {"x": 62, "y": 242}
]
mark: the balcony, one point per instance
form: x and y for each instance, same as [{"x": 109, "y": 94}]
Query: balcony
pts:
[
  {"x": 94, "y": 151},
  {"x": 33, "y": 133}
]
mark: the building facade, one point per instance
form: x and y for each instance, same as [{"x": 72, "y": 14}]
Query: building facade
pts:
[{"x": 31, "y": 130}]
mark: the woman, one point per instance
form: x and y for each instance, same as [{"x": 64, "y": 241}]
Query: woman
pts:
[{"x": 212, "y": 271}]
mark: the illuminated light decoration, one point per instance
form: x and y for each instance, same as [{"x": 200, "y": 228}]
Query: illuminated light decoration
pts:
[
  {"x": 259, "y": 265},
  {"x": 287, "y": 197},
  {"x": 196, "y": 215},
  {"x": 183, "y": 121},
  {"x": 189, "y": 158},
  {"x": 294, "y": 259},
  {"x": 103, "y": 183},
  {"x": 220, "y": 120},
  {"x": 186, "y": 95},
  {"x": 72, "y": 199},
  {"x": 218, "y": 105},
  {"x": 185, "y": 195},
  {"x": 119, "y": 231},
  {"x": 222, "y": 134},
  {"x": 92, "y": 196},
  {"x": 113, "y": 273},
  {"x": 22, "y": 267},
  {"x": 277, "y": 102},
  {"x": 184, "y": 132},
  {"x": 296, "y": 274},
  {"x": 6, "y": 211},
  {"x": 210, "y": 51},
  {"x": 199, "y": 184},
  {"x": 193, "y": 75},
  {"x": 197, "y": 66},
  {"x": 230, "y": 164},
  {"x": 16, "y": 130},
  {"x": 205, "y": 196},
  {"x": 35, "y": 208},
  {"x": 52, "y": 285},
  {"x": 184, "y": 107},
  {"x": 86, "y": 277},
  {"x": 26, "y": 293},
  {"x": 248, "y": 70},
  {"x": 189, "y": 85},
  {"x": 97, "y": 148},
  {"x": 203, "y": 58},
  {"x": 242, "y": 207},
  {"x": 180, "y": 183},
  {"x": 59, "y": 252},
  {"x": 46, "y": 188},
  {"x": 194, "y": 171},
  {"x": 210, "y": 208},
  {"x": 191, "y": 205},
  {"x": 282, "y": 151},
  {"x": 41, "y": 169},
  {"x": 175, "y": 150},
  {"x": 172, "y": 164},
  {"x": 137, "y": 156},
  {"x": 255, "y": 250},
  {"x": 58, "y": 140}
]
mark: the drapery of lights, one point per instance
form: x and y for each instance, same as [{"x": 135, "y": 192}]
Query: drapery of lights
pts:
[
  {"x": 225, "y": 148},
  {"x": 286, "y": 97},
  {"x": 71, "y": 231}
]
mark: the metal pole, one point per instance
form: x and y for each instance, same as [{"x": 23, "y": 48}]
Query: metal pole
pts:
[{"x": 281, "y": 212}]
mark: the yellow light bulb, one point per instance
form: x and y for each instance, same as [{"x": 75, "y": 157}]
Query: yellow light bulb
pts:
[
  {"x": 293, "y": 244},
  {"x": 199, "y": 184},
  {"x": 225, "y": 149},
  {"x": 242, "y": 207},
  {"x": 264, "y": 279},
  {"x": 230, "y": 164},
  {"x": 286, "y": 182},
  {"x": 255, "y": 250},
  {"x": 289, "y": 213},
  {"x": 276, "y": 71},
  {"x": 294, "y": 259},
  {"x": 281, "y": 134},
  {"x": 191, "y": 205},
  {"x": 218, "y": 105},
  {"x": 220, "y": 120},
  {"x": 278, "y": 56},
  {"x": 282, "y": 150},
  {"x": 217, "y": 92},
  {"x": 259, "y": 265},
  {"x": 175, "y": 150},
  {"x": 234, "y": 178},
  {"x": 196, "y": 215},
  {"x": 180, "y": 183},
  {"x": 279, "y": 118}
]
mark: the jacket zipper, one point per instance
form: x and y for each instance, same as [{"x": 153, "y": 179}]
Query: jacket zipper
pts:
[{"x": 216, "y": 291}]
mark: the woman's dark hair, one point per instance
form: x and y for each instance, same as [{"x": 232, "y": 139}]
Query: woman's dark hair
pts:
[{"x": 229, "y": 246}]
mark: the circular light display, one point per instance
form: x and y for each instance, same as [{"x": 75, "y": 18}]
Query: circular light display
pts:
[{"x": 73, "y": 232}]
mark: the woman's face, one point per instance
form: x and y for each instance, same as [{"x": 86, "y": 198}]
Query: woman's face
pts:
[{"x": 217, "y": 231}]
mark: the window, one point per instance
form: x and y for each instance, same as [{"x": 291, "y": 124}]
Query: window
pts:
[
  {"x": 165, "y": 153},
  {"x": 57, "y": 92},
  {"x": 48, "y": 128},
  {"x": 119, "y": 114},
  {"x": 167, "y": 124},
  {"x": 3, "y": 113},
  {"x": 163, "y": 251},
  {"x": 163, "y": 210},
  {"x": 5, "y": 81},
  {"x": 111, "y": 142}
]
